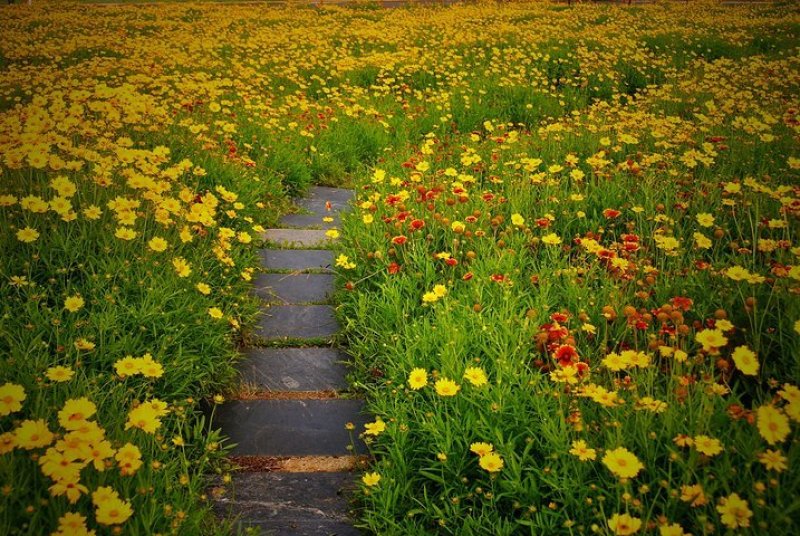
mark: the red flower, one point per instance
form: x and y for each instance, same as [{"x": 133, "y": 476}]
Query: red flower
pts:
[
  {"x": 417, "y": 224},
  {"x": 611, "y": 213},
  {"x": 498, "y": 278},
  {"x": 393, "y": 268},
  {"x": 543, "y": 223},
  {"x": 451, "y": 262},
  {"x": 467, "y": 276},
  {"x": 559, "y": 318},
  {"x": 399, "y": 240},
  {"x": 566, "y": 355},
  {"x": 681, "y": 302}
]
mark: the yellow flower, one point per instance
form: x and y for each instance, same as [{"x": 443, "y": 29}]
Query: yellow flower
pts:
[
  {"x": 476, "y": 376},
  {"x": 182, "y": 267},
  {"x": 59, "y": 374},
  {"x": 113, "y": 511},
  {"x": 440, "y": 291},
  {"x": 430, "y": 297},
  {"x": 693, "y": 494},
  {"x": 673, "y": 529},
  {"x": 446, "y": 387},
  {"x": 33, "y": 434},
  {"x": 157, "y": 244},
  {"x": 215, "y": 312},
  {"x": 332, "y": 234},
  {"x": 582, "y": 450},
  {"x": 343, "y": 261},
  {"x": 734, "y": 511},
  {"x": 71, "y": 488},
  {"x": 418, "y": 378},
  {"x": 481, "y": 449},
  {"x": 622, "y": 462},
  {"x": 745, "y": 360},
  {"x": 75, "y": 412},
  {"x": 711, "y": 339},
  {"x": 129, "y": 459},
  {"x": 491, "y": 462},
  {"x": 517, "y": 220},
  {"x": 773, "y": 460},
  {"x": 623, "y": 524},
  {"x": 772, "y": 424},
  {"x": 707, "y": 445},
  {"x": 371, "y": 479},
  {"x": 74, "y": 303},
  {"x": 144, "y": 417},
  {"x": 125, "y": 233},
  {"x": 73, "y": 524},
  {"x": 203, "y": 288},
  {"x": 11, "y": 398},
  {"x": 551, "y": 239},
  {"x": 375, "y": 428},
  {"x": 705, "y": 219},
  {"x": 27, "y": 235}
]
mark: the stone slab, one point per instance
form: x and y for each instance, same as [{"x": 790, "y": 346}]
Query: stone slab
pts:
[
  {"x": 297, "y": 238},
  {"x": 317, "y": 199},
  {"x": 296, "y": 504},
  {"x": 309, "y": 221},
  {"x": 294, "y": 288},
  {"x": 296, "y": 259},
  {"x": 294, "y": 369},
  {"x": 291, "y": 427},
  {"x": 297, "y": 322}
]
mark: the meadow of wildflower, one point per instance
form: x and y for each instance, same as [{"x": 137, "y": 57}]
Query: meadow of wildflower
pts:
[{"x": 570, "y": 278}]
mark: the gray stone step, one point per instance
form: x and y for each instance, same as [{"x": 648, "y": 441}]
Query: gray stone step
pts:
[
  {"x": 291, "y": 427},
  {"x": 310, "y": 221},
  {"x": 297, "y": 322},
  {"x": 294, "y": 288},
  {"x": 319, "y": 197},
  {"x": 294, "y": 369},
  {"x": 290, "y": 504},
  {"x": 296, "y": 259},
  {"x": 297, "y": 238}
]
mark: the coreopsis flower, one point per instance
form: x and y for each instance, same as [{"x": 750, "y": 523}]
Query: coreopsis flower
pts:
[
  {"x": 582, "y": 451},
  {"x": 624, "y": 524},
  {"x": 27, "y": 235},
  {"x": 734, "y": 512},
  {"x": 74, "y": 303},
  {"x": 375, "y": 428},
  {"x": 622, "y": 462},
  {"x": 491, "y": 462},
  {"x": 711, "y": 339},
  {"x": 182, "y": 267},
  {"x": 59, "y": 374},
  {"x": 129, "y": 459},
  {"x": 446, "y": 387},
  {"x": 772, "y": 424},
  {"x": 371, "y": 479},
  {"x": 33, "y": 434},
  {"x": 745, "y": 360},
  {"x": 517, "y": 220},
  {"x": 476, "y": 376},
  {"x": 481, "y": 449},
  {"x": 707, "y": 445},
  {"x": 75, "y": 412},
  {"x": 551, "y": 239},
  {"x": 203, "y": 288},
  {"x": 12, "y": 396},
  {"x": 73, "y": 524},
  {"x": 113, "y": 511},
  {"x": 215, "y": 312},
  {"x": 418, "y": 378},
  {"x": 773, "y": 460}
]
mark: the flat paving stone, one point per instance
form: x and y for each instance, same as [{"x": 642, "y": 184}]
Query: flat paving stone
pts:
[
  {"x": 296, "y": 259},
  {"x": 324, "y": 201},
  {"x": 295, "y": 369},
  {"x": 310, "y": 221},
  {"x": 297, "y": 238},
  {"x": 291, "y": 427},
  {"x": 295, "y": 504},
  {"x": 294, "y": 288},
  {"x": 297, "y": 322}
]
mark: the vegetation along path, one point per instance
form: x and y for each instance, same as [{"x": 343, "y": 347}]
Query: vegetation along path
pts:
[{"x": 289, "y": 421}]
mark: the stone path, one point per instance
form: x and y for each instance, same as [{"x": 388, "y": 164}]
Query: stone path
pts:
[{"x": 289, "y": 423}]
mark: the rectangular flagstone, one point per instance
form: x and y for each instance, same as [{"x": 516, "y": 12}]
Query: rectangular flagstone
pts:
[
  {"x": 294, "y": 369},
  {"x": 289, "y": 504},
  {"x": 297, "y": 238},
  {"x": 297, "y": 322},
  {"x": 296, "y": 259},
  {"x": 310, "y": 221},
  {"x": 294, "y": 288},
  {"x": 319, "y": 197},
  {"x": 291, "y": 427}
]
